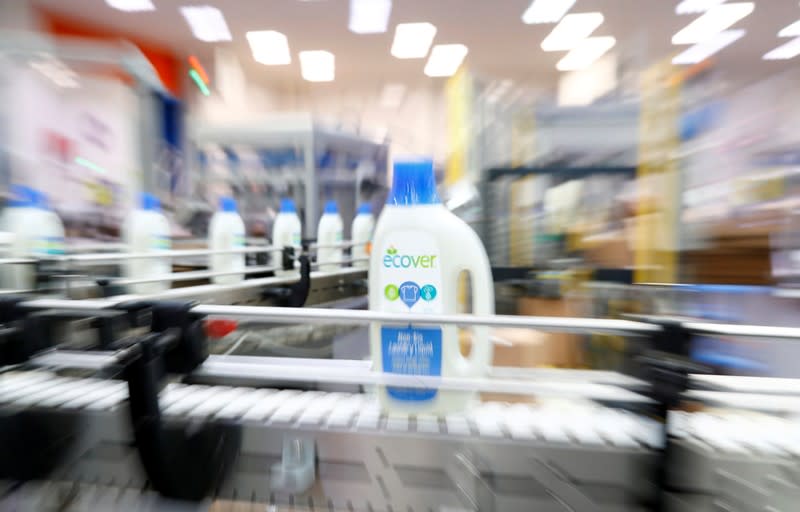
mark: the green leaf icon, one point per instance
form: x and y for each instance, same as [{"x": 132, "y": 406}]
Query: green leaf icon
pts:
[
  {"x": 391, "y": 292},
  {"x": 391, "y": 250}
]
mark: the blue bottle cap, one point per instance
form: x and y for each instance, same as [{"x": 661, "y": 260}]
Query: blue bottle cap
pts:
[
  {"x": 150, "y": 202},
  {"x": 287, "y": 206},
  {"x": 227, "y": 204},
  {"x": 22, "y": 196},
  {"x": 331, "y": 207},
  {"x": 413, "y": 183},
  {"x": 365, "y": 208},
  {"x": 41, "y": 200}
]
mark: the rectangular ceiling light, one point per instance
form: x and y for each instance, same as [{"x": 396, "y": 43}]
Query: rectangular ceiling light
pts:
[
  {"x": 586, "y": 53},
  {"x": 701, "y": 51},
  {"x": 546, "y": 11},
  {"x": 714, "y": 21},
  {"x": 792, "y": 30},
  {"x": 269, "y": 47},
  {"x": 696, "y": 6},
  {"x": 132, "y": 5},
  {"x": 207, "y": 23},
  {"x": 412, "y": 40},
  {"x": 317, "y": 66},
  {"x": 571, "y": 30},
  {"x": 369, "y": 16},
  {"x": 445, "y": 59},
  {"x": 786, "y": 51}
]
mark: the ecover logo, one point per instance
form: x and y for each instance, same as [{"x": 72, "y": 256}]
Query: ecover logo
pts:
[{"x": 393, "y": 259}]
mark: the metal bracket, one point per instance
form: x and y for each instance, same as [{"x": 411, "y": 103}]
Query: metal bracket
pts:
[{"x": 293, "y": 295}]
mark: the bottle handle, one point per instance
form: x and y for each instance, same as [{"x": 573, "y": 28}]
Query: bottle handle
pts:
[{"x": 482, "y": 292}]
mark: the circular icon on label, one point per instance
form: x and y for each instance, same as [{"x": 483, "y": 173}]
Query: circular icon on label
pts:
[
  {"x": 428, "y": 292},
  {"x": 391, "y": 292}
]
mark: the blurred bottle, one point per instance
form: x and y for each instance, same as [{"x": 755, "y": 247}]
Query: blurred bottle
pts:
[
  {"x": 329, "y": 233},
  {"x": 147, "y": 230},
  {"x": 21, "y": 221},
  {"x": 363, "y": 225},
  {"x": 51, "y": 241},
  {"x": 286, "y": 232},
  {"x": 226, "y": 232}
]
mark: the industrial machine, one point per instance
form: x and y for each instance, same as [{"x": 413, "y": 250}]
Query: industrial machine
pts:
[{"x": 123, "y": 402}]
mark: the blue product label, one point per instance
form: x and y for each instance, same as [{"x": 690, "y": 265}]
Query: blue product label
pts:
[{"x": 412, "y": 351}]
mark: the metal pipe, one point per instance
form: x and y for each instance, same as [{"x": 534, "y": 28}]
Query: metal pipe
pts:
[
  {"x": 343, "y": 245},
  {"x": 92, "y": 258},
  {"x": 199, "y": 274},
  {"x": 558, "y": 324},
  {"x": 748, "y": 331}
]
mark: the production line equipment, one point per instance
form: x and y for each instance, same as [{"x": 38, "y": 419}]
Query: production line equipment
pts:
[{"x": 150, "y": 421}]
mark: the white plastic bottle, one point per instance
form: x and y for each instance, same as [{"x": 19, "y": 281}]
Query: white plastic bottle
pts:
[
  {"x": 145, "y": 231},
  {"x": 418, "y": 251},
  {"x": 361, "y": 235},
  {"x": 21, "y": 221},
  {"x": 286, "y": 232},
  {"x": 329, "y": 235},
  {"x": 226, "y": 232},
  {"x": 51, "y": 236}
]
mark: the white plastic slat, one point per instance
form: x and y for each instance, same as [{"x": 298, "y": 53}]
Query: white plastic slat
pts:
[
  {"x": 615, "y": 427},
  {"x": 217, "y": 401},
  {"x": 195, "y": 397},
  {"x": 428, "y": 423},
  {"x": 457, "y": 425},
  {"x": 321, "y": 408},
  {"x": 243, "y": 403},
  {"x": 518, "y": 420},
  {"x": 12, "y": 380},
  {"x": 550, "y": 426},
  {"x": 109, "y": 401},
  {"x": 32, "y": 387},
  {"x": 78, "y": 389},
  {"x": 172, "y": 393},
  {"x": 292, "y": 408},
  {"x": 100, "y": 393},
  {"x": 397, "y": 422},
  {"x": 32, "y": 396},
  {"x": 369, "y": 417},
  {"x": 261, "y": 410}
]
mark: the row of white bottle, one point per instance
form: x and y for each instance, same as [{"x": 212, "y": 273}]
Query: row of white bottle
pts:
[{"x": 32, "y": 229}]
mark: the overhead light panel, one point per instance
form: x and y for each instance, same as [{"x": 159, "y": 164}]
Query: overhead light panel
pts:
[
  {"x": 412, "y": 40},
  {"x": 546, "y": 11},
  {"x": 696, "y": 6},
  {"x": 317, "y": 66},
  {"x": 712, "y": 22},
  {"x": 369, "y": 16},
  {"x": 792, "y": 30},
  {"x": 269, "y": 47},
  {"x": 571, "y": 30},
  {"x": 701, "y": 51},
  {"x": 207, "y": 23},
  {"x": 445, "y": 59},
  {"x": 786, "y": 51},
  {"x": 586, "y": 53},
  {"x": 132, "y": 5}
]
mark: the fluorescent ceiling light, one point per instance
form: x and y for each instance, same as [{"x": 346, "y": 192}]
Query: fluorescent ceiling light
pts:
[
  {"x": 786, "y": 51},
  {"x": 132, "y": 5},
  {"x": 586, "y": 53},
  {"x": 412, "y": 40},
  {"x": 207, "y": 23},
  {"x": 369, "y": 16},
  {"x": 696, "y": 6},
  {"x": 269, "y": 47},
  {"x": 445, "y": 59},
  {"x": 392, "y": 95},
  {"x": 546, "y": 11},
  {"x": 570, "y": 30},
  {"x": 701, "y": 51},
  {"x": 792, "y": 30},
  {"x": 714, "y": 21},
  {"x": 317, "y": 66}
]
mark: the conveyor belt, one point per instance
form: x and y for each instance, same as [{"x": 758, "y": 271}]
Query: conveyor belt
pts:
[{"x": 496, "y": 457}]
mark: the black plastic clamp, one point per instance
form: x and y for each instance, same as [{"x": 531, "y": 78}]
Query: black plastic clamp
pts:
[{"x": 295, "y": 294}]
